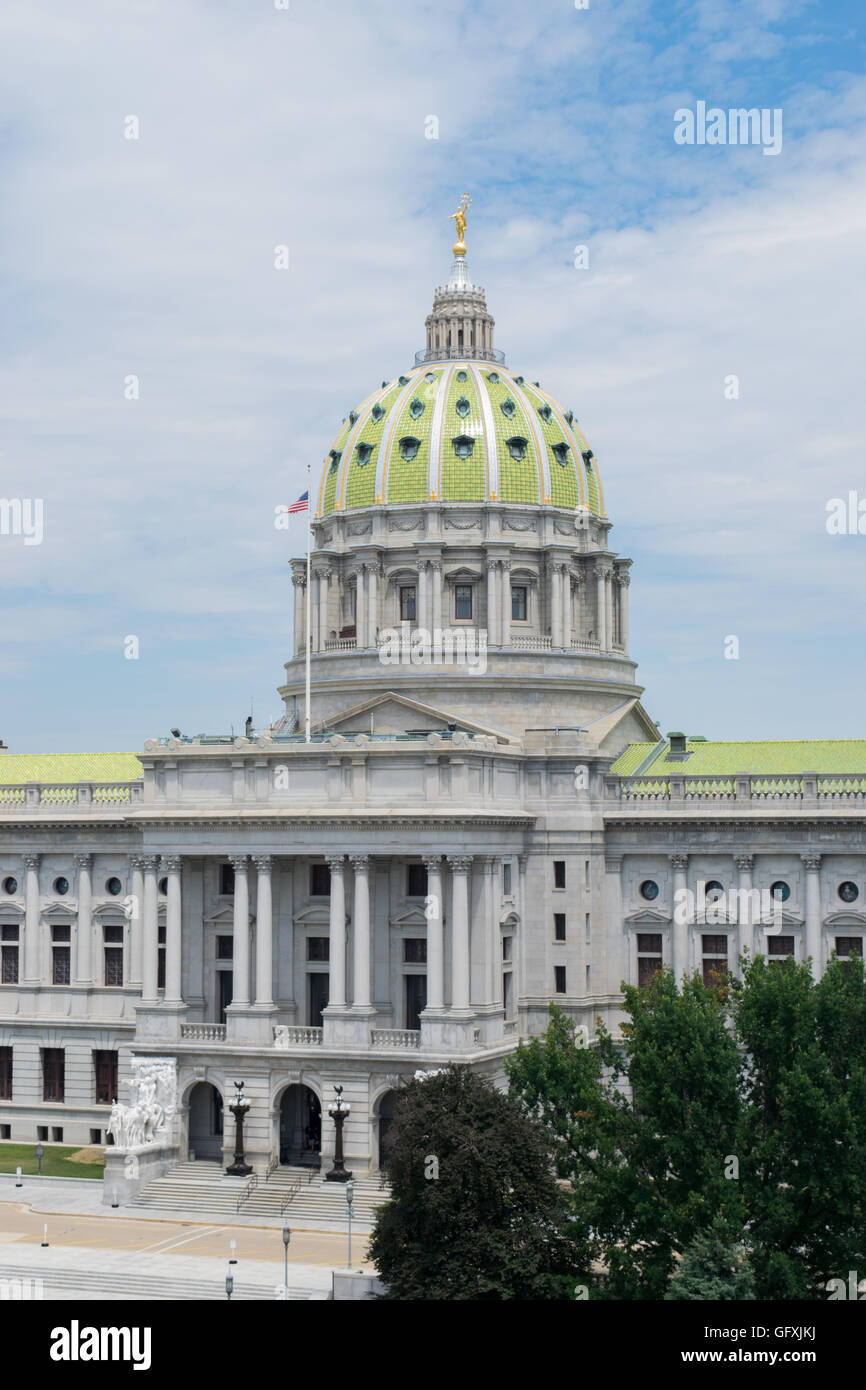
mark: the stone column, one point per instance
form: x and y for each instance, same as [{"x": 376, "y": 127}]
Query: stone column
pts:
[
  {"x": 580, "y": 629},
  {"x": 460, "y": 865},
  {"x": 421, "y": 596},
  {"x": 170, "y": 866},
  {"x": 624, "y": 581},
  {"x": 555, "y": 605},
  {"x": 745, "y": 928},
  {"x": 299, "y": 584},
  {"x": 681, "y": 919},
  {"x": 435, "y": 934},
  {"x": 31, "y": 918},
  {"x": 361, "y": 607},
  {"x": 505, "y": 597},
  {"x": 601, "y": 607},
  {"x": 337, "y": 984},
  {"x": 361, "y": 922},
  {"x": 264, "y": 932},
  {"x": 492, "y": 614},
  {"x": 566, "y": 607},
  {"x": 372, "y": 604},
  {"x": 436, "y": 569},
  {"x": 136, "y": 918},
  {"x": 608, "y": 603},
  {"x": 491, "y": 869},
  {"x": 812, "y": 864},
  {"x": 324, "y": 592},
  {"x": 241, "y": 951},
  {"x": 84, "y": 932},
  {"x": 617, "y": 963},
  {"x": 150, "y": 933}
]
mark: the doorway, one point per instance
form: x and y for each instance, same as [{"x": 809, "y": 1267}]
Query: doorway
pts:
[
  {"x": 205, "y": 1122},
  {"x": 416, "y": 999},
  {"x": 300, "y": 1127},
  {"x": 225, "y": 991},
  {"x": 318, "y": 990}
]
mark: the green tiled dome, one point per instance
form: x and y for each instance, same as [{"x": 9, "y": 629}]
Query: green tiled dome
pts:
[{"x": 459, "y": 432}]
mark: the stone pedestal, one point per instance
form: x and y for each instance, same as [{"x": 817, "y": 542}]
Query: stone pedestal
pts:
[
  {"x": 449, "y": 1031},
  {"x": 251, "y": 1024},
  {"x": 159, "y": 1022},
  {"x": 127, "y": 1170},
  {"x": 348, "y": 1027}
]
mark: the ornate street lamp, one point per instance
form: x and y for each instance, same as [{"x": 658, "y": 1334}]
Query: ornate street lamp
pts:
[
  {"x": 287, "y": 1235},
  {"x": 338, "y": 1110},
  {"x": 240, "y": 1167},
  {"x": 230, "y": 1283}
]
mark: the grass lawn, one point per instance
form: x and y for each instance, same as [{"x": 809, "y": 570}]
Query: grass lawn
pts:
[{"x": 58, "y": 1160}]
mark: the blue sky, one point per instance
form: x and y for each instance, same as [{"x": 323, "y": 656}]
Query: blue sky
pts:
[{"x": 154, "y": 257}]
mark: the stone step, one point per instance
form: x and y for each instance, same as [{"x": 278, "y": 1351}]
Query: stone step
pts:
[
  {"x": 188, "y": 1188},
  {"x": 149, "y": 1287}
]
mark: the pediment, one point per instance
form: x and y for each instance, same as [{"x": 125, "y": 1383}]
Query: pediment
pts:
[
  {"x": 509, "y": 919},
  {"x": 390, "y": 713},
  {"x": 846, "y": 917},
  {"x": 648, "y": 917},
  {"x": 411, "y": 917},
  {"x": 109, "y": 912},
  {"x": 220, "y": 917},
  {"x": 313, "y": 917},
  {"x": 59, "y": 908}
]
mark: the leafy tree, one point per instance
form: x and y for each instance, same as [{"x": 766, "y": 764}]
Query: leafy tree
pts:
[
  {"x": 803, "y": 1124},
  {"x": 475, "y": 1211},
  {"x": 712, "y": 1267}
]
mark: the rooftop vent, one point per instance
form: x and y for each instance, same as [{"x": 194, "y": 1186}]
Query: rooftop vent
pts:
[{"x": 677, "y": 747}]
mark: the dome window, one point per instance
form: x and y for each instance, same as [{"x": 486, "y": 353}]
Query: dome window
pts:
[
  {"x": 519, "y": 380},
  {"x": 546, "y": 413},
  {"x": 431, "y": 376},
  {"x": 462, "y": 407},
  {"x": 461, "y": 376},
  {"x": 492, "y": 376},
  {"x": 569, "y": 417},
  {"x": 463, "y": 445},
  {"x": 378, "y": 413},
  {"x": 363, "y": 452},
  {"x": 586, "y": 455},
  {"x": 508, "y": 408},
  {"x": 353, "y": 415},
  {"x": 334, "y": 459},
  {"x": 402, "y": 381},
  {"x": 517, "y": 446},
  {"x": 416, "y": 408},
  {"x": 409, "y": 447},
  {"x": 561, "y": 453}
]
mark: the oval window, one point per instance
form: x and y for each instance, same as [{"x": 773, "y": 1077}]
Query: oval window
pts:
[
  {"x": 462, "y": 407},
  {"x": 780, "y": 890},
  {"x": 508, "y": 408},
  {"x": 61, "y": 886},
  {"x": 10, "y": 886},
  {"x": 848, "y": 891},
  {"x": 649, "y": 889},
  {"x": 416, "y": 407},
  {"x": 114, "y": 887},
  {"x": 714, "y": 890}
]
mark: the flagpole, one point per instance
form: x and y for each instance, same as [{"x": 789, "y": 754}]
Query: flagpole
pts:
[{"x": 307, "y": 736}]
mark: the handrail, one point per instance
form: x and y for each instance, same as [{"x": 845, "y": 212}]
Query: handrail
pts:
[
  {"x": 271, "y": 1166},
  {"x": 250, "y": 1187}
]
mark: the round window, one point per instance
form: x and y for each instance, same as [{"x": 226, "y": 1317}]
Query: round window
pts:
[
  {"x": 848, "y": 891},
  {"x": 649, "y": 889},
  {"x": 61, "y": 885},
  {"x": 10, "y": 886},
  {"x": 114, "y": 887},
  {"x": 780, "y": 891},
  {"x": 714, "y": 890},
  {"x": 163, "y": 885}
]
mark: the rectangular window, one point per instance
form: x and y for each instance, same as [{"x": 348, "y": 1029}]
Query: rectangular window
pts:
[
  {"x": 416, "y": 1000},
  {"x": 588, "y": 968},
  {"x": 41, "y": 1132},
  {"x": 113, "y": 935},
  {"x": 647, "y": 966},
  {"x": 414, "y": 950},
  {"x": 407, "y": 603},
  {"x": 96, "y": 1136},
  {"x": 104, "y": 1077},
  {"x": 5, "y": 1073},
  {"x": 506, "y": 947},
  {"x": 225, "y": 947},
  {"x": 780, "y": 946},
  {"x": 9, "y": 965},
  {"x": 416, "y": 881},
  {"x": 508, "y": 994},
  {"x": 60, "y": 965},
  {"x": 57, "y": 1135},
  {"x": 5, "y": 1131},
  {"x": 559, "y": 979},
  {"x": 559, "y": 926},
  {"x": 586, "y": 874},
  {"x": 8, "y": 932},
  {"x": 506, "y": 880},
  {"x": 320, "y": 881},
  {"x": 160, "y": 961},
  {"x": 318, "y": 948},
  {"x": 714, "y": 965},
  {"x": 53, "y": 1069},
  {"x": 587, "y": 927},
  {"x": 649, "y": 956},
  {"x": 559, "y": 873},
  {"x": 227, "y": 880},
  {"x": 849, "y": 946},
  {"x": 518, "y": 603},
  {"x": 114, "y": 965},
  {"x": 463, "y": 601},
  {"x": 59, "y": 935}
]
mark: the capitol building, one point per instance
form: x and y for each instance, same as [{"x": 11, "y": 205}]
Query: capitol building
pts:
[{"x": 484, "y": 818}]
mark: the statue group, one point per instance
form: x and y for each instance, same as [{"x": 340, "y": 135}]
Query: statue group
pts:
[{"x": 153, "y": 1097}]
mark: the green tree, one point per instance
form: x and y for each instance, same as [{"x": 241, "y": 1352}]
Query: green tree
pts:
[
  {"x": 803, "y": 1125},
  {"x": 475, "y": 1211},
  {"x": 712, "y": 1267}
]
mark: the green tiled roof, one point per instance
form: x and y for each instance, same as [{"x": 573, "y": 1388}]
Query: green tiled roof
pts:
[
  {"x": 422, "y": 404},
  {"x": 715, "y": 759},
  {"x": 68, "y": 767}
]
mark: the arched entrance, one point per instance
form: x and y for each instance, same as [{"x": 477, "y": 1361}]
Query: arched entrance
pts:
[
  {"x": 300, "y": 1127},
  {"x": 385, "y": 1114},
  {"x": 205, "y": 1121}
]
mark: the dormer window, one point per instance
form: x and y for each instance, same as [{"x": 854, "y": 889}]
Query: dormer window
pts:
[
  {"x": 493, "y": 376},
  {"x": 416, "y": 407},
  {"x": 430, "y": 377},
  {"x": 519, "y": 380},
  {"x": 461, "y": 376},
  {"x": 560, "y": 453},
  {"x": 334, "y": 458},
  {"x": 569, "y": 415},
  {"x": 546, "y": 413},
  {"x": 362, "y": 454},
  {"x": 402, "y": 381},
  {"x": 353, "y": 415},
  {"x": 586, "y": 455},
  {"x": 508, "y": 408},
  {"x": 463, "y": 445},
  {"x": 378, "y": 413},
  {"x": 516, "y": 446},
  {"x": 462, "y": 407},
  {"x": 409, "y": 446}
]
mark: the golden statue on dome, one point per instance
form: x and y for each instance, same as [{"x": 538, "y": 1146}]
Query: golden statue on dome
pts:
[{"x": 459, "y": 247}]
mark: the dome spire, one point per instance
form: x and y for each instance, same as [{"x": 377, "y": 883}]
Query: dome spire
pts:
[{"x": 459, "y": 326}]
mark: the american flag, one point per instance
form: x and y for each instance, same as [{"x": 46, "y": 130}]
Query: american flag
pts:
[{"x": 302, "y": 504}]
